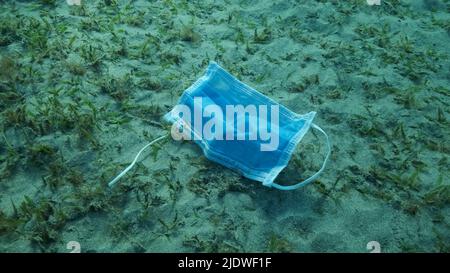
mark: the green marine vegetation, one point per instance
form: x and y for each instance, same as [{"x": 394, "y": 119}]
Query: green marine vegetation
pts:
[
  {"x": 44, "y": 219},
  {"x": 8, "y": 224},
  {"x": 48, "y": 2},
  {"x": 8, "y": 31},
  {"x": 188, "y": 34},
  {"x": 9, "y": 159},
  {"x": 76, "y": 68},
  {"x": 93, "y": 56},
  {"x": 117, "y": 88},
  {"x": 212, "y": 244},
  {"x": 168, "y": 228},
  {"x": 40, "y": 154},
  {"x": 439, "y": 195},
  {"x": 276, "y": 244}
]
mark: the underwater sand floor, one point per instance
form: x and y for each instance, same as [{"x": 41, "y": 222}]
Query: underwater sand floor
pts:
[{"x": 83, "y": 88}]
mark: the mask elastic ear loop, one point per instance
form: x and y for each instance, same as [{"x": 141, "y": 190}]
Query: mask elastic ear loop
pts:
[
  {"x": 314, "y": 176},
  {"x": 114, "y": 181}
]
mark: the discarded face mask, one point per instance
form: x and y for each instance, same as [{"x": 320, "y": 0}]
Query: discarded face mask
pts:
[{"x": 232, "y": 125}]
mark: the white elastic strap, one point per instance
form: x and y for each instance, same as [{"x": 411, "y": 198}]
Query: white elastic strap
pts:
[
  {"x": 314, "y": 176},
  {"x": 114, "y": 181}
]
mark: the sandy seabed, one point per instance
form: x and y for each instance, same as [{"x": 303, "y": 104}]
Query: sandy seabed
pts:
[{"x": 83, "y": 88}]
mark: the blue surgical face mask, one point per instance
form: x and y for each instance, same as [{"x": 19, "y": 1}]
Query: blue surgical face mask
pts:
[{"x": 238, "y": 127}]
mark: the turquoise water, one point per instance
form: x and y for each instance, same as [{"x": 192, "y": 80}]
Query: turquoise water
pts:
[{"x": 83, "y": 89}]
